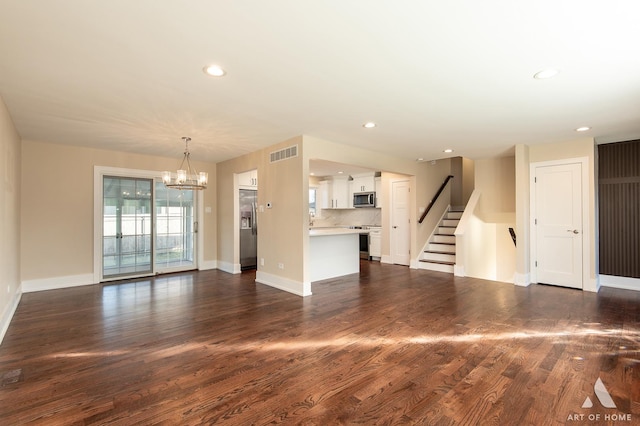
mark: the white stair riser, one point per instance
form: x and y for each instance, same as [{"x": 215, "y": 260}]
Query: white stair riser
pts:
[
  {"x": 436, "y": 267},
  {"x": 450, "y": 222},
  {"x": 443, "y": 239},
  {"x": 441, "y": 257},
  {"x": 454, "y": 215},
  {"x": 447, "y": 248},
  {"x": 445, "y": 230}
]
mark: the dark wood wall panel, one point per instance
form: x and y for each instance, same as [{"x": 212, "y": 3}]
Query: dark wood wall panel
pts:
[{"x": 619, "y": 208}]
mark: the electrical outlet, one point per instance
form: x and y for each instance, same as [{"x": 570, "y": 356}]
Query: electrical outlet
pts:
[
  {"x": 280, "y": 265},
  {"x": 262, "y": 261}
]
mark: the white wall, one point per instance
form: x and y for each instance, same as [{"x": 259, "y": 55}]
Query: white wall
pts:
[{"x": 10, "y": 188}]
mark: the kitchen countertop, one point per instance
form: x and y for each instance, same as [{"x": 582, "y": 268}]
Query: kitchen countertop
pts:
[{"x": 316, "y": 232}]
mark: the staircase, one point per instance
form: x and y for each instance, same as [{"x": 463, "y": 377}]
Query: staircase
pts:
[{"x": 440, "y": 254}]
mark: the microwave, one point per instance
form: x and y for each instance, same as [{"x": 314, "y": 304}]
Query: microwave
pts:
[{"x": 364, "y": 199}]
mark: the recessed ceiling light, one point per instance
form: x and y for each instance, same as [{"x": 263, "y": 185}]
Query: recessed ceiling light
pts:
[
  {"x": 546, "y": 73},
  {"x": 340, "y": 173},
  {"x": 369, "y": 125},
  {"x": 214, "y": 71},
  {"x": 419, "y": 159},
  {"x": 448, "y": 150},
  {"x": 583, "y": 129}
]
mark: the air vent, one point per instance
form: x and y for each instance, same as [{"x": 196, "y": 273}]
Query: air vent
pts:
[{"x": 284, "y": 154}]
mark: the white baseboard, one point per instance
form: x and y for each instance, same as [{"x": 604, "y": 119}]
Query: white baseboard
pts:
[
  {"x": 386, "y": 259},
  {"x": 414, "y": 264},
  {"x": 57, "y": 282},
  {"x": 522, "y": 280},
  {"x": 296, "y": 287},
  {"x": 623, "y": 283},
  {"x": 458, "y": 271},
  {"x": 206, "y": 265},
  {"x": 8, "y": 313},
  {"x": 232, "y": 268}
]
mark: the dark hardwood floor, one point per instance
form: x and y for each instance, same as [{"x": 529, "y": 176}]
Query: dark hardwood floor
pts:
[{"x": 388, "y": 346}]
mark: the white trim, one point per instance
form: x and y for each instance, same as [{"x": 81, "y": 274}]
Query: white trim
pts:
[
  {"x": 458, "y": 270},
  {"x": 623, "y": 283},
  {"x": 286, "y": 284},
  {"x": 587, "y": 283},
  {"x": 8, "y": 313},
  {"x": 522, "y": 280},
  {"x": 231, "y": 268},
  {"x": 386, "y": 259},
  {"x": 57, "y": 282}
]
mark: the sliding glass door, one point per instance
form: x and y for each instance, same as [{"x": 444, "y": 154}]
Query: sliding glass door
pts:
[
  {"x": 146, "y": 227},
  {"x": 175, "y": 229},
  {"x": 127, "y": 226}
]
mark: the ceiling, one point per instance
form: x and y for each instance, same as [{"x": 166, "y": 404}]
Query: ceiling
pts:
[{"x": 127, "y": 75}]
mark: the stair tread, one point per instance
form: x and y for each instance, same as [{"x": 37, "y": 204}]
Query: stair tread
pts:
[
  {"x": 439, "y": 252},
  {"x": 440, "y": 262}
]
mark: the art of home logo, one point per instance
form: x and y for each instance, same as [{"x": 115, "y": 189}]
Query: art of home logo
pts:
[{"x": 605, "y": 400}]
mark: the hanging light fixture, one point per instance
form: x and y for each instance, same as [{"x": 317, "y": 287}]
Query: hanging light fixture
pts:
[{"x": 186, "y": 179}]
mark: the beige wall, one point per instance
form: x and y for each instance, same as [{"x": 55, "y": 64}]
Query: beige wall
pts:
[
  {"x": 57, "y": 206},
  {"x": 491, "y": 253},
  {"x": 10, "y": 155},
  {"x": 281, "y": 228},
  {"x": 495, "y": 178}
]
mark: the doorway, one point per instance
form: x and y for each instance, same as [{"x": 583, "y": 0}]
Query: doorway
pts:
[{"x": 558, "y": 253}]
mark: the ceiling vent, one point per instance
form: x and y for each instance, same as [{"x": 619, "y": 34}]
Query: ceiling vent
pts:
[{"x": 284, "y": 154}]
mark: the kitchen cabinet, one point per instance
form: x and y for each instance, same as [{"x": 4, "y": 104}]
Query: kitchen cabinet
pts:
[
  {"x": 378, "y": 189},
  {"x": 375, "y": 241},
  {"x": 248, "y": 179},
  {"x": 335, "y": 193},
  {"x": 363, "y": 183}
]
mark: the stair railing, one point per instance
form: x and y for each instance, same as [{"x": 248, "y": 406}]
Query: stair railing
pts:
[{"x": 435, "y": 198}]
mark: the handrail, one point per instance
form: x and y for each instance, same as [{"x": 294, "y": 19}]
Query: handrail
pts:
[{"x": 432, "y": 202}]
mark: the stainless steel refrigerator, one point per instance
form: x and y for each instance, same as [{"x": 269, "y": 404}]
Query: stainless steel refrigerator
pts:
[{"x": 248, "y": 230}]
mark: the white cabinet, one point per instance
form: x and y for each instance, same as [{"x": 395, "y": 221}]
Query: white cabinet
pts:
[
  {"x": 375, "y": 242},
  {"x": 378, "y": 188},
  {"x": 335, "y": 193},
  {"x": 363, "y": 183},
  {"x": 248, "y": 179}
]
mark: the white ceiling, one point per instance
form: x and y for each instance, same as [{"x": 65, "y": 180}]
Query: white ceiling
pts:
[{"x": 127, "y": 75}]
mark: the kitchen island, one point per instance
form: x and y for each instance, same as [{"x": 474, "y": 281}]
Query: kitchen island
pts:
[{"x": 334, "y": 252}]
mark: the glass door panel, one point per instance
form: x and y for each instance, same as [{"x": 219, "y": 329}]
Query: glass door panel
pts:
[
  {"x": 127, "y": 226},
  {"x": 175, "y": 229}
]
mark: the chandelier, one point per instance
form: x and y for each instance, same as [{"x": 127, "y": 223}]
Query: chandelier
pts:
[{"x": 186, "y": 179}]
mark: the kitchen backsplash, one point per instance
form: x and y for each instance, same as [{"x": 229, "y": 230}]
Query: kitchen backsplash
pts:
[{"x": 348, "y": 217}]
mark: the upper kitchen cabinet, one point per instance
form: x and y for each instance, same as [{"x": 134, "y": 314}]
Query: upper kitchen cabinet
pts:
[
  {"x": 335, "y": 193},
  {"x": 378, "y": 186},
  {"x": 248, "y": 179},
  {"x": 364, "y": 182}
]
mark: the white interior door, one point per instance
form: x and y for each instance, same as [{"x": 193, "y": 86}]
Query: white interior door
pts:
[
  {"x": 400, "y": 231},
  {"x": 558, "y": 224}
]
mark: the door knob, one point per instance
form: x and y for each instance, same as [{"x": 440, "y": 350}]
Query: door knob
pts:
[
  {"x": 575, "y": 231},
  {"x": 395, "y": 227}
]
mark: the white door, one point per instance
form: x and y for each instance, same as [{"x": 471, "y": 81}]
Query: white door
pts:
[
  {"x": 558, "y": 224},
  {"x": 400, "y": 231}
]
